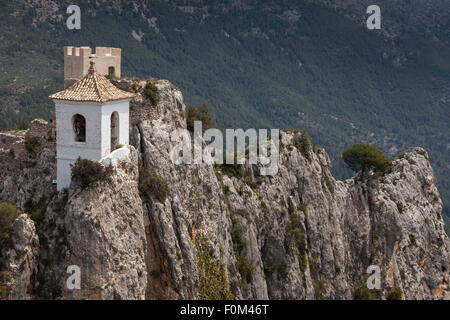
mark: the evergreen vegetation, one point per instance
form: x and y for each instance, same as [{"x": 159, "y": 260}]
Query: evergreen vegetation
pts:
[
  {"x": 6, "y": 280},
  {"x": 294, "y": 234},
  {"x": 395, "y": 294},
  {"x": 212, "y": 279},
  {"x": 36, "y": 210},
  {"x": 85, "y": 172},
  {"x": 152, "y": 185},
  {"x": 303, "y": 143},
  {"x": 199, "y": 114},
  {"x": 8, "y": 213},
  {"x": 364, "y": 293},
  {"x": 244, "y": 266},
  {"x": 151, "y": 92},
  {"x": 365, "y": 157},
  {"x": 30, "y": 144}
]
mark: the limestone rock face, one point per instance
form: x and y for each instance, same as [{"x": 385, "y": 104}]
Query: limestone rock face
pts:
[
  {"x": 100, "y": 230},
  {"x": 28, "y": 164},
  {"x": 393, "y": 222},
  {"x": 299, "y": 234},
  {"x": 21, "y": 259}
]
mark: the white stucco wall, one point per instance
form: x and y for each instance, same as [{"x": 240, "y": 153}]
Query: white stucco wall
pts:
[
  {"x": 122, "y": 107},
  {"x": 65, "y": 136},
  {"x": 98, "y": 133},
  {"x": 63, "y": 172}
]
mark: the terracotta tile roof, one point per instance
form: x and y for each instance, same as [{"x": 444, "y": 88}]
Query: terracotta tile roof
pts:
[{"x": 93, "y": 87}]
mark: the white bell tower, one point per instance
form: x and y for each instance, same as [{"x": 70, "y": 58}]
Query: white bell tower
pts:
[{"x": 92, "y": 120}]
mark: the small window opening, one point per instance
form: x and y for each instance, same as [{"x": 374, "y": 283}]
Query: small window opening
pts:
[{"x": 111, "y": 72}]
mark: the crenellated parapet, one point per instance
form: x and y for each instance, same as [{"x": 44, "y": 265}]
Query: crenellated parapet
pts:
[{"x": 76, "y": 62}]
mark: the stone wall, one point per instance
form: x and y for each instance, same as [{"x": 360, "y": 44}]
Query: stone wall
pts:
[
  {"x": 11, "y": 144},
  {"x": 76, "y": 62},
  {"x": 40, "y": 135},
  {"x": 42, "y": 129},
  {"x": 27, "y": 162}
]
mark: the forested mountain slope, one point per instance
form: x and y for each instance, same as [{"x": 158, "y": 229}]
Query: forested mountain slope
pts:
[{"x": 304, "y": 64}]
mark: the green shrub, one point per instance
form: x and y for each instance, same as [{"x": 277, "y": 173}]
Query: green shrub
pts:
[
  {"x": 302, "y": 207},
  {"x": 365, "y": 157},
  {"x": 36, "y": 210},
  {"x": 302, "y": 260},
  {"x": 191, "y": 116},
  {"x": 152, "y": 185},
  {"x": 50, "y": 136},
  {"x": 31, "y": 143},
  {"x": 60, "y": 203},
  {"x": 303, "y": 143},
  {"x": 151, "y": 91},
  {"x": 6, "y": 280},
  {"x": 318, "y": 289},
  {"x": 245, "y": 269},
  {"x": 135, "y": 86},
  {"x": 86, "y": 172},
  {"x": 395, "y": 294},
  {"x": 8, "y": 214},
  {"x": 238, "y": 242},
  {"x": 293, "y": 231},
  {"x": 316, "y": 149},
  {"x": 364, "y": 293},
  {"x": 250, "y": 182},
  {"x": 294, "y": 234},
  {"x": 327, "y": 183},
  {"x": 270, "y": 268},
  {"x": 218, "y": 173},
  {"x": 244, "y": 266},
  {"x": 199, "y": 114},
  {"x": 212, "y": 279},
  {"x": 232, "y": 170}
]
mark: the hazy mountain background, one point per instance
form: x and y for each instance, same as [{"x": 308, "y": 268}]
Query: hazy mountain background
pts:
[{"x": 275, "y": 64}]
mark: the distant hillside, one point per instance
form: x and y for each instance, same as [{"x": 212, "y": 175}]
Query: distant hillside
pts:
[{"x": 304, "y": 64}]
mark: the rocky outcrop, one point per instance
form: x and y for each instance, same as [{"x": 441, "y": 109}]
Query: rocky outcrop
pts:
[
  {"x": 28, "y": 163},
  {"x": 153, "y": 226},
  {"x": 344, "y": 226},
  {"x": 21, "y": 259},
  {"x": 101, "y": 231}
]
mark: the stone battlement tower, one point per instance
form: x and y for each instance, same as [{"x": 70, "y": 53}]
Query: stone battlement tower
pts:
[{"x": 76, "y": 62}]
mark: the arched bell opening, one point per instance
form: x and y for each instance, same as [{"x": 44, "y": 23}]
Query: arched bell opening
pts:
[
  {"x": 114, "y": 130},
  {"x": 79, "y": 128}
]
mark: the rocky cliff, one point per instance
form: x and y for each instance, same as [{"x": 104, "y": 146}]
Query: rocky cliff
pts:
[{"x": 156, "y": 230}]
